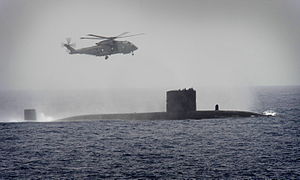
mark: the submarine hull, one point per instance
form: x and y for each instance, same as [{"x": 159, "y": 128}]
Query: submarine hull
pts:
[
  {"x": 181, "y": 104},
  {"x": 164, "y": 115}
]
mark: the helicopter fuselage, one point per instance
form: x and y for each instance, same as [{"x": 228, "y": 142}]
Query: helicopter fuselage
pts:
[{"x": 106, "y": 48}]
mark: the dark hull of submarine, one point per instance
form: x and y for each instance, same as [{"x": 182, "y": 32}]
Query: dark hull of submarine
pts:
[
  {"x": 181, "y": 104},
  {"x": 164, "y": 116}
]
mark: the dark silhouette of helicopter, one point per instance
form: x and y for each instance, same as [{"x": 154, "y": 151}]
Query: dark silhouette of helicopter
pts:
[{"x": 108, "y": 46}]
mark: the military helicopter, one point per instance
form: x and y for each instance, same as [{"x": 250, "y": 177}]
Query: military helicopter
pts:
[{"x": 108, "y": 46}]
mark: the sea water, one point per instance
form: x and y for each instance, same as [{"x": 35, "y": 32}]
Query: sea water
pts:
[{"x": 231, "y": 148}]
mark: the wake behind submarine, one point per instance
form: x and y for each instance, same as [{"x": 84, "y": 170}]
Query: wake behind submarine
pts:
[{"x": 180, "y": 105}]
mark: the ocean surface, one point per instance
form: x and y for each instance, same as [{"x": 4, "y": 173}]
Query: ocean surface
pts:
[{"x": 231, "y": 148}]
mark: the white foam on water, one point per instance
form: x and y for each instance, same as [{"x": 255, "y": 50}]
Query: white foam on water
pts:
[
  {"x": 42, "y": 117},
  {"x": 13, "y": 120},
  {"x": 269, "y": 113}
]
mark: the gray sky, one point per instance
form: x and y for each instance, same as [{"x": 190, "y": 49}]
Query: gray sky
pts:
[{"x": 188, "y": 43}]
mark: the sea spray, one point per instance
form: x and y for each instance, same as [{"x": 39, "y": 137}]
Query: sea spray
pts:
[
  {"x": 42, "y": 117},
  {"x": 269, "y": 113}
]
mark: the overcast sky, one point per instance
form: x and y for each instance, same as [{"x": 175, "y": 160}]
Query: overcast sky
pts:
[{"x": 187, "y": 43}]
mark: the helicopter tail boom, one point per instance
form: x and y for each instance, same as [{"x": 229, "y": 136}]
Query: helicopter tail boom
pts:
[{"x": 72, "y": 50}]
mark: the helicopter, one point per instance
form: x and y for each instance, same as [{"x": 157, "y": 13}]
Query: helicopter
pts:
[{"x": 106, "y": 47}]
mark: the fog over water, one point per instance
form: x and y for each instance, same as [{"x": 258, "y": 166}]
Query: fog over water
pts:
[{"x": 221, "y": 48}]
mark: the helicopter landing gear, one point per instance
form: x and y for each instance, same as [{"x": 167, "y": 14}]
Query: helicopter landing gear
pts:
[{"x": 106, "y": 57}]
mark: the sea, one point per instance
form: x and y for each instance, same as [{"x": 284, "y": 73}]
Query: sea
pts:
[{"x": 229, "y": 148}]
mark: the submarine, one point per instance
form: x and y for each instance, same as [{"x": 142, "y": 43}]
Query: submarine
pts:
[{"x": 180, "y": 105}]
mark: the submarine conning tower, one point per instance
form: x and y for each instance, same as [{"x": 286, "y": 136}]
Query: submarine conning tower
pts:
[
  {"x": 181, "y": 100},
  {"x": 29, "y": 114}
]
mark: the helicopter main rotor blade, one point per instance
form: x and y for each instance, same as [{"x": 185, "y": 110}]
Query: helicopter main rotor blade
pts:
[
  {"x": 102, "y": 37},
  {"x": 132, "y": 35},
  {"x": 122, "y": 34},
  {"x": 95, "y": 38}
]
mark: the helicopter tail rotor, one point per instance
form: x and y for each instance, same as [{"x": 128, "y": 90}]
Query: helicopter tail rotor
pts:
[
  {"x": 70, "y": 46},
  {"x": 68, "y": 40}
]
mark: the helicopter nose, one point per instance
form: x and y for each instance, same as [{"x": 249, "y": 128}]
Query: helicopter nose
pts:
[{"x": 134, "y": 47}]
